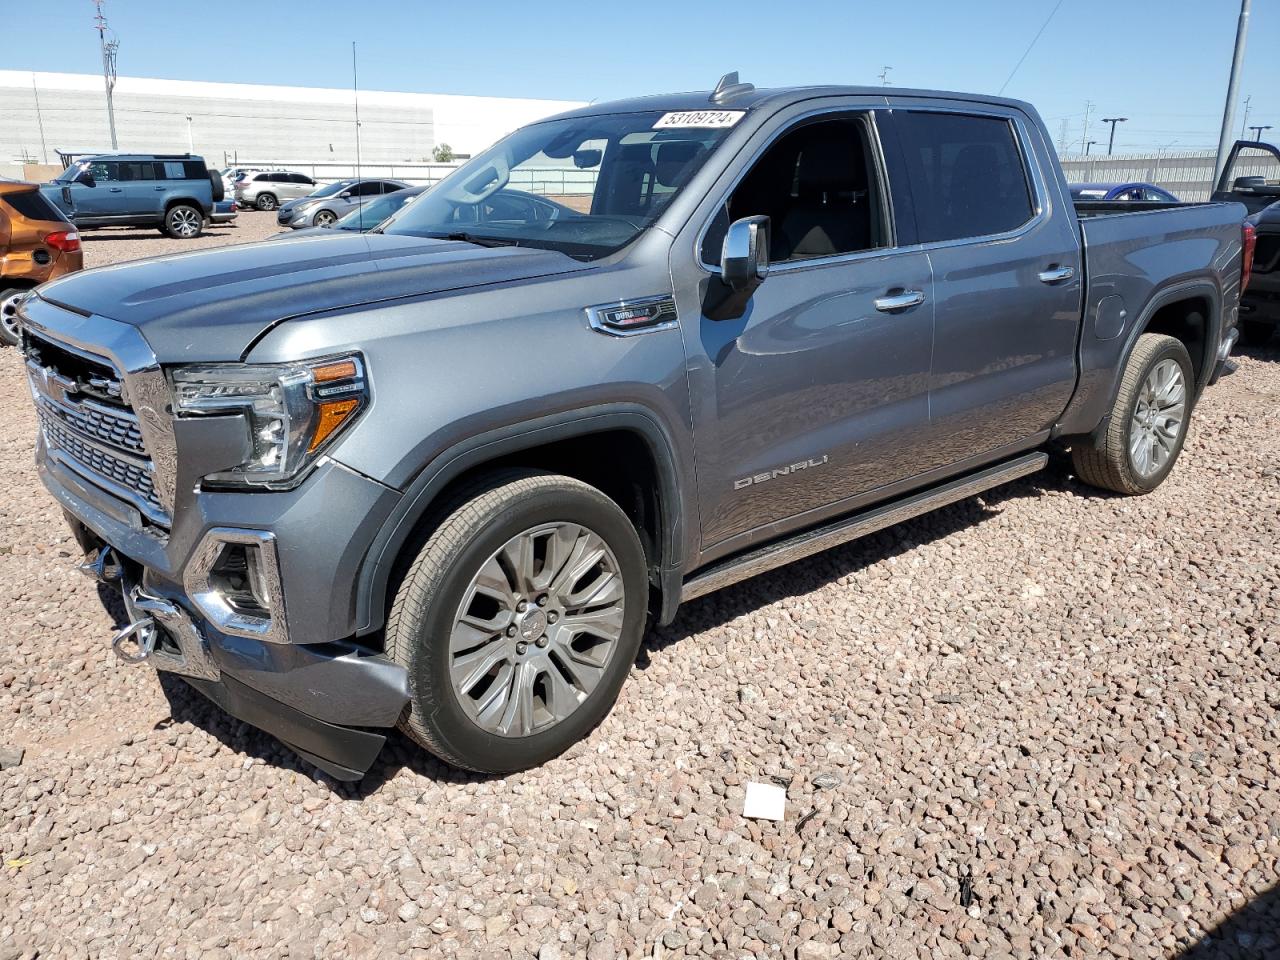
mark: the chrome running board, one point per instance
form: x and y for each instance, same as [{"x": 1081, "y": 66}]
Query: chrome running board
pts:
[{"x": 798, "y": 546}]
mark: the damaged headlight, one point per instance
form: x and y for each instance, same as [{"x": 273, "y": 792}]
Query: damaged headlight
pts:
[{"x": 293, "y": 410}]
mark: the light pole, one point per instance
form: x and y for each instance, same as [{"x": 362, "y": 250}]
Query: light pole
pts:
[
  {"x": 1257, "y": 130},
  {"x": 1111, "y": 141},
  {"x": 109, "y": 48},
  {"x": 1088, "y": 145},
  {"x": 1084, "y": 134},
  {"x": 1229, "y": 109},
  {"x": 191, "y": 144}
]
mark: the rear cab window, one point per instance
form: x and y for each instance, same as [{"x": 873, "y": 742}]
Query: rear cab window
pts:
[{"x": 967, "y": 173}]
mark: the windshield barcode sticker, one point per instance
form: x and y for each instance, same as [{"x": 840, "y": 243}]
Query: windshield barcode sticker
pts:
[{"x": 699, "y": 118}]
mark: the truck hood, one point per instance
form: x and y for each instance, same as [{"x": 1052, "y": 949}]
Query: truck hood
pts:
[{"x": 213, "y": 304}]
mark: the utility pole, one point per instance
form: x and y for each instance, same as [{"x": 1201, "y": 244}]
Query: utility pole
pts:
[
  {"x": 44, "y": 149},
  {"x": 1257, "y": 130},
  {"x": 1084, "y": 135},
  {"x": 884, "y": 77},
  {"x": 1244, "y": 125},
  {"x": 1229, "y": 109},
  {"x": 1111, "y": 141},
  {"x": 1062, "y": 136},
  {"x": 109, "y": 48}
]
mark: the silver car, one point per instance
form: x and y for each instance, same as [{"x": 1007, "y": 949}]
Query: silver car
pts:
[
  {"x": 268, "y": 189},
  {"x": 330, "y": 204}
]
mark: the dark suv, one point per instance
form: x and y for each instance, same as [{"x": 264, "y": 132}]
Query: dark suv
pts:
[{"x": 175, "y": 192}]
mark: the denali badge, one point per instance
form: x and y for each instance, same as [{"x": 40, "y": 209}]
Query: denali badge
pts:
[{"x": 779, "y": 472}]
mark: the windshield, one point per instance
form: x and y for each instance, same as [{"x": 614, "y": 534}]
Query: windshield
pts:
[
  {"x": 69, "y": 175},
  {"x": 331, "y": 189},
  {"x": 586, "y": 186},
  {"x": 371, "y": 214}
]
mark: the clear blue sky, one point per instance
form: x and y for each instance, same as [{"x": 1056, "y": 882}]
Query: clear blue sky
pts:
[{"x": 1162, "y": 64}]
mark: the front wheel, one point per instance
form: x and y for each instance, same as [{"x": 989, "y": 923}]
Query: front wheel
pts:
[
  {"x": 1148, "y": 423},
  {"x": 518, "y": 621},
  {"x": 324, "y": 218},
  {"x": 10, "y": 329},
  {"x": 183, "y": 222}
]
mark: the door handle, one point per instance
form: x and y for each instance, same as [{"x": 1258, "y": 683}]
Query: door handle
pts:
[
  {"x": 115, "y": 189},
  {"x": 899, "y": 301},
  {"x": 1057, "y": 274},
  {"x": 160, "y": 189}
]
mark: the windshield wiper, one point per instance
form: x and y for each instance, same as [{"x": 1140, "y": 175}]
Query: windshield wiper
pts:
[{"x": 479, "y": 241}]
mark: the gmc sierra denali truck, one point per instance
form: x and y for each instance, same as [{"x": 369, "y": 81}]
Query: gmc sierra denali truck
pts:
[{"x": 442, "y": 475}]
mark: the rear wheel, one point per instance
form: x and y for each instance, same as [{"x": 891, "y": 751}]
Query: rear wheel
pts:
[
  {"x": 266, "y": 201},
  {"x": 518, "y": 621},
  {"x": 1256, "y": 333},
  {"x": 1148, "y": 423},
  {"x": 10, "y": 330},
  {"x": 183, "y": 222}
]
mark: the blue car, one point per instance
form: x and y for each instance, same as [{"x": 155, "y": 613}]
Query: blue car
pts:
[
  {"x": 1120, "y": 191},
  {"x": 175, "y": 192}
]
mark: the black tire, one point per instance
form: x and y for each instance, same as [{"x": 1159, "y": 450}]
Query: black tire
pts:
[
  {"x": 1256, "y": 333},
  {"x": 10, "y": 333},
  {"x": 472, "y": 528},
  {"x": 266, "y": 201},
  {"x": 1108, "y": 463},
  {"x": 324, "y": 218},
  {"x": 183, "y": 221}
]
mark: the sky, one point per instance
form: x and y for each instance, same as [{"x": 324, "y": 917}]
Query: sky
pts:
[{"x": 1163, "y": 64}]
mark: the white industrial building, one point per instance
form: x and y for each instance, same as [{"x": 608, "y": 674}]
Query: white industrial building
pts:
[{"x": 41, "y": 113}]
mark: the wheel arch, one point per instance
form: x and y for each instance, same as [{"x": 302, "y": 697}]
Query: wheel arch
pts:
[
  {"x": 536, "y": 444},
  {"x": 171, "y": 202}
]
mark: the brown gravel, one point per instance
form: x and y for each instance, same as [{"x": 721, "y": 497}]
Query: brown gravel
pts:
[{"x": 1042, "y": 723}]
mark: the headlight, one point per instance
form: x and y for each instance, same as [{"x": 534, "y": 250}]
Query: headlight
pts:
[{"x": 294, "y": 411}]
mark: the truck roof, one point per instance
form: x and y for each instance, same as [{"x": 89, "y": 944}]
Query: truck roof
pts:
[{"x": 754, "y": 98}]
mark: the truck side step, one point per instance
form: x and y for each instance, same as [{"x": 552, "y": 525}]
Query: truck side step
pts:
[{"x": 798, "y": 546}]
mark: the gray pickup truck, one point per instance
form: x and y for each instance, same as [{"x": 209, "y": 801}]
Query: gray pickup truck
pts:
[{"x": 442, "y": 475}]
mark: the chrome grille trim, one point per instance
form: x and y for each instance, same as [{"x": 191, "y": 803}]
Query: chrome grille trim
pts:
[
  {"x": 116, "y": 428},
  {"x": 139, "y": 469}
]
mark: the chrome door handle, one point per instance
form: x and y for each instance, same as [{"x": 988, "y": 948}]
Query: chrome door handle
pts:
[
  {"x": 1057, "y": 274},
  {"x": 900, "y": 301},
  {"x": 115, "y": 189}
]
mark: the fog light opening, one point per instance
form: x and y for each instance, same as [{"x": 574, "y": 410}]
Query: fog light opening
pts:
[{"x": 237, "y": 575}]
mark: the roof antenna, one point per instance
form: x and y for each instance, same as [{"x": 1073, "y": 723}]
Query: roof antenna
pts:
[{"x": 729, "y": 87}]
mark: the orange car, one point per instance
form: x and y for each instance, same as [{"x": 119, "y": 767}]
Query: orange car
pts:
[{"x": 37, "y": 243}]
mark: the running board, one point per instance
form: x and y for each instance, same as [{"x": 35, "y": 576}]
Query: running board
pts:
[{"x": 801, "y": 545}]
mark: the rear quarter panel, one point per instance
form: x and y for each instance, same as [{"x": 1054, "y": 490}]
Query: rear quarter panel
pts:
[{"x": 1137, "y": 263}]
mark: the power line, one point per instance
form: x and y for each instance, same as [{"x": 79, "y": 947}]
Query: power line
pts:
[{"x": 1026, "y": 53}]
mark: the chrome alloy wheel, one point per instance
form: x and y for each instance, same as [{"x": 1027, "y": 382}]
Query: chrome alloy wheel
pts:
[
  {"x": 184, "y": 222},
  {"x": 536, "y": 629},
  {"x": 1158, "y": 417},
  {"x": 9, "y": 314},
  {"x": 324, "y": 218}
]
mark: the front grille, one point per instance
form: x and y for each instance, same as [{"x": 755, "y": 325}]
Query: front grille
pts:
[{"x": 88, "y": 424}]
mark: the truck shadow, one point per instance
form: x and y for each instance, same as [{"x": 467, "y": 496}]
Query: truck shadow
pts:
[
  {"x": 1251, "y": 933},
  {"x": 186, "y": 705},
  {"x": 101, "y": 234},
  {"x": 813, "y": 573}
]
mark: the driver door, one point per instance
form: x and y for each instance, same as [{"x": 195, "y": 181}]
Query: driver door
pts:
[
  {"x": 95, "y": 203},
  {"x": 817, "y": 396}
]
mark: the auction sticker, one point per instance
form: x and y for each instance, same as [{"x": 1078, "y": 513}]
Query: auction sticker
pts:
[{"x": 699, "y": 118}]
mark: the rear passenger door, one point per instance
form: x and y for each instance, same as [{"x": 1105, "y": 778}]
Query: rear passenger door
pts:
[{"x": 1006, "y": 274}]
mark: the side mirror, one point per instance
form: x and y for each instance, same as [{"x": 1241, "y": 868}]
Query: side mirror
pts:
[
  {"x": 586, "y": 159},
  {"x": 1257, "y": 185},
  {"x": 345, "y": 195},
  {"x": 86, "y": 178},
  {"x": 744, "y": 258},
  {"x": 744, "y": 264}
]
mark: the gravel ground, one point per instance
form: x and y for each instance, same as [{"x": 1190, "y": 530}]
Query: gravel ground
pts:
[{"x": 1042, "y": 723}]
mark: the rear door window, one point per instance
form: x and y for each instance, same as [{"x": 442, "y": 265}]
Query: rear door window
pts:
[
  {"x": 31, "y": 205},
  {"x": 967, "y": 174}
]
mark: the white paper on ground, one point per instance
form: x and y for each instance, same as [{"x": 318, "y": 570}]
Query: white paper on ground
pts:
[{"x": 764, "y": 801}]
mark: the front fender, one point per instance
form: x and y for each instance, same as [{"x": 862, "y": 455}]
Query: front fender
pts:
[{"x": 375, "y": 573}]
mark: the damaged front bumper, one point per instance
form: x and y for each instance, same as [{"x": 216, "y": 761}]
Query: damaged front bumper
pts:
[{"x": 331, "y": 703}]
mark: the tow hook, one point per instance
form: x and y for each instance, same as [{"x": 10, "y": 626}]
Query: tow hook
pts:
[
  {"x": 143, "y": 634},
  {"x": 104, "y": 566}
]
